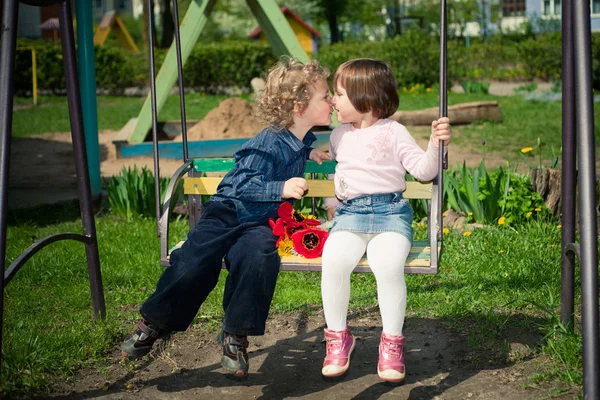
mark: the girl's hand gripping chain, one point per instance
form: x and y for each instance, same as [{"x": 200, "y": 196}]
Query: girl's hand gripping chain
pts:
[{"x": 441, "y": 130}]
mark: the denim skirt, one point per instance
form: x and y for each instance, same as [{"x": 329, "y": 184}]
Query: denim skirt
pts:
[{"x": 375, "y": 213}]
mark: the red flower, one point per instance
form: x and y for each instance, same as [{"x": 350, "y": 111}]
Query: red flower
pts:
[
  {"x": 293, "y": 218},
  {"x": 308, "y": 242},
  {"x": 278, "y": 229}
]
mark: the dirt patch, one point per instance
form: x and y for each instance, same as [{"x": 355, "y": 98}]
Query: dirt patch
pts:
[
  {"x": 286, "y": 363},
  {"x": 231, "y": 119}
]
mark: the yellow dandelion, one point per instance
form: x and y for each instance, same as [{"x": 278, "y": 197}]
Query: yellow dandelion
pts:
[
  {"x": 526, "y": 150},
  {"x": 446, "y": 230},
  {"x": 420, "y": 224},
  {"x": 528, "y": 214},
  {"x": 501, "y": 220},
  {"x": 469, "y": 213},
  {"x": 537, "y": 209},
  {"x": 444, "y": 215},
  {"x": 467, "y": 233},
  {"x": 558, "y": 226}
]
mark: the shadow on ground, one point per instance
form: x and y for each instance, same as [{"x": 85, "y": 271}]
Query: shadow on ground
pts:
[{"x": 442, "y": 362}]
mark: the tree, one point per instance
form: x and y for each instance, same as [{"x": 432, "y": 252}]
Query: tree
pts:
[
  {"x": 350, "y": 17},
  {"x": 168, "y": 25},
  {"x": 459, "y": 13}
]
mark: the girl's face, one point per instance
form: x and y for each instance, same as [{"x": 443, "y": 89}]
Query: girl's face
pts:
[
  {"x": 318, "y": 112},
  {"x": 346, "y": 113}
]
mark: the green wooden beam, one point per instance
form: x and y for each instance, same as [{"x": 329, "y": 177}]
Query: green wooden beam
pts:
[
  {"x": 278, "y": 31},
  {"x": 225, "y": 164},
  {"x": 191, "y": 27}
]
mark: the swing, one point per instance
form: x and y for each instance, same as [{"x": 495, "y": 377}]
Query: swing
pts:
[{"x": 424, "y": 256}]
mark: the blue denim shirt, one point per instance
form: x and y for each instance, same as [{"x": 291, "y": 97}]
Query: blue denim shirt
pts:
[{"x": 262, "y": 165}]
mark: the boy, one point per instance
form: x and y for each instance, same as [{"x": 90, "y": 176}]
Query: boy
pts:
[{"x": 234, "y": 222}]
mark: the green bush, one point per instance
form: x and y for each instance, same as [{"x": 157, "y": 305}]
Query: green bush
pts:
[
  {"x": 489, "y": 197},
  {"x": 414, "y": 57},
  {"x": 542, "y": 56},
  {"x": 475, "y": 87},
  {"x": 213, "y": 66},
  {"x": 117, "y": 69},
  {"x": 596, "y": 61},
  {"x": 522, "y": 204},
  {"x": 50, "y": 69},
  {"x": 131, "y": 194}
]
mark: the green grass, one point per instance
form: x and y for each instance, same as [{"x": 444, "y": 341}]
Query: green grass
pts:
[
  {"x": 52, "y": 115},
  {"x": 488, "y": 282}
]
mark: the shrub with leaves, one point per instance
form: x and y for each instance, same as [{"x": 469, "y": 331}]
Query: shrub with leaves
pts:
[
  {"x": 131, "y": 194},
  {"x": 502, "y": 196},
  {"x": 476, "y": 191},
  {"x": 475, "y": 87},
  {"x": 522, "y": 204}
]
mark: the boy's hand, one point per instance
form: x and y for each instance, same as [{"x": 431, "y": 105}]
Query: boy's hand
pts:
[
  {"x": 319, "y": 156},
  {"x": 441, "y": 130},
  {"x": 330, "y": 213},
  {"x": 294, "y": 188}
]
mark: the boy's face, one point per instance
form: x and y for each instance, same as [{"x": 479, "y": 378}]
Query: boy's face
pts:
[
  {"x": 346, "y": 113},
  {"x": 319, "y": 110}
]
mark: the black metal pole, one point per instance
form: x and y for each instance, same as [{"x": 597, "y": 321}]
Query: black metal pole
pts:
[
  {"x": 8, "y": 41},
  {"x": 443, "y": 163},
  {"x": 180, "y": 75},
  {"x": 587, "y": 198},
  {"x": 154, "y": 113},
  {"x": 568, "y": 168},
  {"x": 67, "y": 38}
]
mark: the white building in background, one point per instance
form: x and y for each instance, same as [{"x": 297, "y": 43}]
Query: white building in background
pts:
[{"x": 553, "y": 9}]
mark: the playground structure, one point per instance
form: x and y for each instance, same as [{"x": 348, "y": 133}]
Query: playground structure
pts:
[
  {"x": 273, "y": 25},
  {"x": 306, "y": 34},
  {"x": 111, "y": 22},
  {"x": 53, "y": 25},
  {"x": 578, "y": 122},
  {"x": 76, "y": 116}
]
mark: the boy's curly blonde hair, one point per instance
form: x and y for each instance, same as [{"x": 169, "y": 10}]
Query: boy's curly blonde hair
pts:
[{"x": 288, "y": 83}]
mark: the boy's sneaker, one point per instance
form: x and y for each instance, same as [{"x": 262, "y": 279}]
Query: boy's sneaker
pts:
[
  {"x": 140, "y": 341},
  {"x": 234, "y": 358},
  {"x": 390, "y": 367},
  {"x": 339, "y": 349}
]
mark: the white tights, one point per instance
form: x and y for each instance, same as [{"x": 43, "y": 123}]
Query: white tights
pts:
[{"x": 387, "y": 254}]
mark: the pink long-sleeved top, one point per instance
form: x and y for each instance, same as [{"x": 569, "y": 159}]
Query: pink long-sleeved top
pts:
[{"x": 376, "y": 159}]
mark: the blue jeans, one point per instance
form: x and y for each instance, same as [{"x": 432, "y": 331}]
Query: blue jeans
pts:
[{"x": 251, "y": 259}]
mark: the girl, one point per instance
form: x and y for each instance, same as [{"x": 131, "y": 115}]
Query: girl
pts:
[{"x": 373, "y": 154}]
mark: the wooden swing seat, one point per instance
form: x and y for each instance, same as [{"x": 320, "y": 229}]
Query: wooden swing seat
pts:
[{"x": 196, "y": 184}]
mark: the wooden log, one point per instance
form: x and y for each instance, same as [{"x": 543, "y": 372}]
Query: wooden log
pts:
[
  {"x": 547, "y": 182},
  {"x": 459, "y": 114}
]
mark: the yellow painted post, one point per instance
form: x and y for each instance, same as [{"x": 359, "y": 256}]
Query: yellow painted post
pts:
[{"x": 34, "y": 75}]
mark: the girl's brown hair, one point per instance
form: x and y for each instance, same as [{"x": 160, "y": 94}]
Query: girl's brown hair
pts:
[
  {"x": 370, "y": 85},
  {"x": 289, "y": 83}
]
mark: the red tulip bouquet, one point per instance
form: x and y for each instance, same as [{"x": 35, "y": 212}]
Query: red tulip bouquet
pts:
[{"x": 298, "y": 234}]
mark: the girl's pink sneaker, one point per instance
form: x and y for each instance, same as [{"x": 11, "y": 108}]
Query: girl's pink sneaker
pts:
[
  {"x": 339, "y": 348},
  {"x": 391, "y": 358}
]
